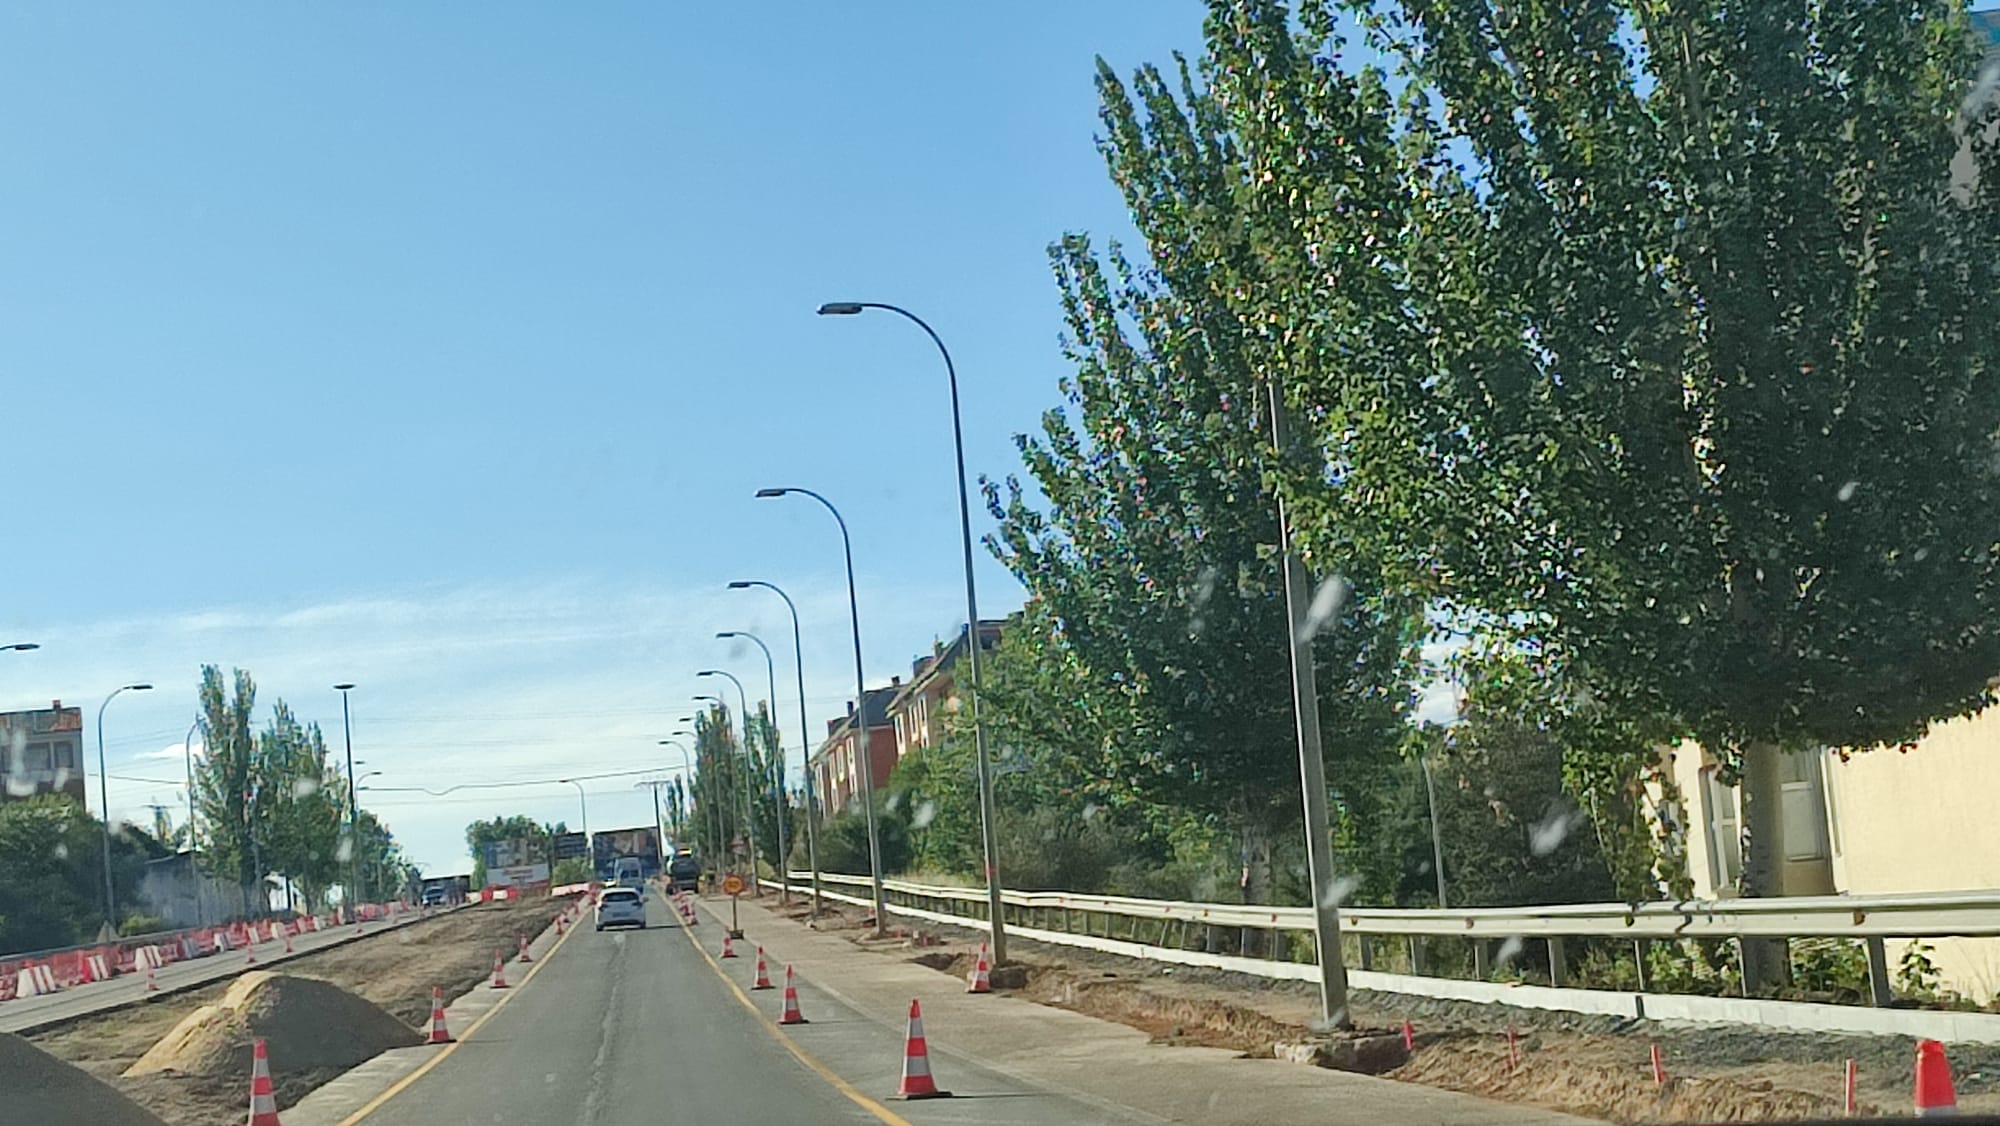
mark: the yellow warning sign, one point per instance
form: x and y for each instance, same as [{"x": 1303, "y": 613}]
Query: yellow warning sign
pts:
[{"x": 732, "y": 884}]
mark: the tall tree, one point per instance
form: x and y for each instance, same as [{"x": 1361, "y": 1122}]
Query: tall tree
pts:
[
  {"x": 226, "y": 779},
  {"x": 1696, "y": 377},
  {"x": 1153, "y": 567}
]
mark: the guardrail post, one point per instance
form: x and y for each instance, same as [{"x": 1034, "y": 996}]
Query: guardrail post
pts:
[
  {"x": 1482, "y": 965},
  {"x": 1558, "y": 963},
  {"x": 1367, "y": 952},
  {"x": 1878, "y": 974},
  {"x": 1417, "y": 959},
  {"x": 1639, "y": 961}
]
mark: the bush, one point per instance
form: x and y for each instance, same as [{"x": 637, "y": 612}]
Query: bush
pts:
[
  {"x": 843, "y": 842},
  {"x": 575, "y": 870},
  {"x": 141, "y": 924},
  {"x": 1056, "y": 849}
]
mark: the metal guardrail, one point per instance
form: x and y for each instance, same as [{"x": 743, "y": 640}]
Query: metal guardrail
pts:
[{"x": 1870, "y": 919}]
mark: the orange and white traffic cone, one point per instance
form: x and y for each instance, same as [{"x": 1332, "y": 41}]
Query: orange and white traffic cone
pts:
[
  {"x": 979, "y": 982},
  {"x": 917, "y": 1082},
  {"x": 728, "y": 950},
  {"x": 1935, "y": 1095},
  {"x": 763, "y": 974},
  {"x": 288, "y": 941},
  {"x": 263, "y": 1103},
  {"x": 524, "y": 955},
  {"x": 499, "y": 969},
  {"x": 791, "y": 1014},
  {"x": 439, "y": 1033}
]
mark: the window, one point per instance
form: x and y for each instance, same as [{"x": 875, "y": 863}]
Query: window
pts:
[
  {"x": 1802, "y": 807},
  {"x": 35, "y": 757},
  {"x": 1725, "y": 839}
]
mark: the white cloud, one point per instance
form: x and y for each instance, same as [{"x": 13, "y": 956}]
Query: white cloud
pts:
[{"x": 474, "y": 683}]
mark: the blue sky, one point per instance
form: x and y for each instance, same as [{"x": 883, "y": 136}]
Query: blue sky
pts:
[{"x": 441, "y": 348}]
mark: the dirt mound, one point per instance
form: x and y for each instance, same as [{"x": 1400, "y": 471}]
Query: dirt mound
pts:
[
  {"x": 42, "y": 1088},
  {"x": 307, "y": 1024}
]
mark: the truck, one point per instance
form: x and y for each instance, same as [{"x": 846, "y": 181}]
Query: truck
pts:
[{"x": 641, "y": 845}]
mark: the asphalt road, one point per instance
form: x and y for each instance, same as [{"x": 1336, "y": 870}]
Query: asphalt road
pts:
[
  {"x": 27, "y": 1013},
  {"x": 639, "y": 1027}
]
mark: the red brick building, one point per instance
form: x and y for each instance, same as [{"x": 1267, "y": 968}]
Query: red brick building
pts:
[{"x": 835, "y": 766}]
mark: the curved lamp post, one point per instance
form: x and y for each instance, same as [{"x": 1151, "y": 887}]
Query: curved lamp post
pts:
[
  {"x": 989, "y": 836},
  {"x": 104, "y": 799},
  {"x": 805, "y": 736},
  {"x": 749, "y": 775},
  {"x": 860, "y": 722},
  {"x": 777, "y": 764}
]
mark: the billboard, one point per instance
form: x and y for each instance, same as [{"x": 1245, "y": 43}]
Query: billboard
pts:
[
  {"x": 511, "y": 863},
  {"x": 569, "y": 846},
  {"x": 643, "y": 843}
]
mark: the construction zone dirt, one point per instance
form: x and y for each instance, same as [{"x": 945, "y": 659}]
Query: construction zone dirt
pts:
[
  {"x": 305, "y": 1023},
  {"x": 393, "y": 969},
  {"x": 41, "y": 1088},
  {"x": 1595, "y": 1066}
]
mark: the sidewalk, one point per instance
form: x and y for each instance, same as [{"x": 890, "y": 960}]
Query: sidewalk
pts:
[{"x": 1098, "y": 1061}]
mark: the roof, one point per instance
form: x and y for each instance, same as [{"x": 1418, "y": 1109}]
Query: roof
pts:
[
  {"x": 875, "y": 706},
  {"x": 1986, "y": 25},
  {"x": 989, "y": 635}
]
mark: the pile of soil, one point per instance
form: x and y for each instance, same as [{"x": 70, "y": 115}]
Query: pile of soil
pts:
[
  {"x": 307, "y": 1024},
  {"x": 42, "y": 1088}
]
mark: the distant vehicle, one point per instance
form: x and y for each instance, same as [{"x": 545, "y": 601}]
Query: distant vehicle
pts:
[
  {"x": 436, "y": 897},
  {"x": 684, "y": 873},
  {"x": 621, "y": 907},
  {"x": 627, "y": 872}
]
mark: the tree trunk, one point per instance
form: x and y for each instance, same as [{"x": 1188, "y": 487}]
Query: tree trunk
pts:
[
  {"x": 1766, "y": 961},
  {"x": 1256, "y": 852}
]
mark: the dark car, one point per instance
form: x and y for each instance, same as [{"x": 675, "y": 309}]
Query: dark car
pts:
[{"x": 684, "y": 873}]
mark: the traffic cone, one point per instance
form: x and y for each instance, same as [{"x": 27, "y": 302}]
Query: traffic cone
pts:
[
  {"x": 917, "y": 1082},
  {"x": 1409, "y": 1037},
  {"x": 249, "y": 954},
  {"x": 499, "y": 969},
  {"x": 288, "y": 942},
  {"x": 979, "y": 982},
  {"x": 263, "y": 1104},
  {"x": 791, "y": 1014},
  {"x": 763, "y": 975},
  {"x": 439, "y": 1033},
  {"x": 524, "y": 955},
  {"x": 1935, "y": 1095},
  {"x": 728, "y": 950}
]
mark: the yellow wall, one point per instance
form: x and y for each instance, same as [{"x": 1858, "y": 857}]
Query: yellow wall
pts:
[{"x": 1928, "y": 820}]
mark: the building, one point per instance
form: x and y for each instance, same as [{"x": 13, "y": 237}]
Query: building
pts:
[
  {"x": 41, "y": 752},
  {"x": 1870, "y": 823},
  {"x": 836, "y": 777},
  {"x": 919, "y": 708}
]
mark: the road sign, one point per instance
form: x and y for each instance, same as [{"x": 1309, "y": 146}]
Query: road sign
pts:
[{"x": 732, "y": 884}]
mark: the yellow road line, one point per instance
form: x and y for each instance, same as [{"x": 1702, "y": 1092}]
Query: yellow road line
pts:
[
  {"x": 396, "y": 1088},
  {"x": 888, "y": 1117}
]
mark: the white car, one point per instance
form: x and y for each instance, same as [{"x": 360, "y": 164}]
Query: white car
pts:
[{"x": 621, "y": 907}]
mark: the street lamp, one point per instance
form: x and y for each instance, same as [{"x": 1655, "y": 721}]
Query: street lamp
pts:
[
  {"x": 353, "y": 810},
  {"x": 104, "y": 799},
  {"x": 805, "y": 736},
  {"x": 777, "y": 761},
  {"x": 20, "y": 647},
  {"x": 860, "y": 722},
  {"x": 687, "y": 771},
  {"x": 583, "y": 806},
  {"x": 989, "y": 833},
  {"x": 749, "y": 794}
]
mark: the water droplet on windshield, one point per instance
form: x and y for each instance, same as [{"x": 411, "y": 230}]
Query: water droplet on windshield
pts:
[
  {"x": 1326, "y": 606},
  {"x": 1847, "y": 491},
  {"x": 923, "y": 815},
  {"x": 1548, "y": 834}
]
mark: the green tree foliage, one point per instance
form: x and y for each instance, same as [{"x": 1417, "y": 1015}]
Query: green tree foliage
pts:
[
  {"x": 1694, "y": 372},
  {"x": 226, "y": 776},
  {"x": 1155, "y": 593},
  {"x": 718, "y": 789},
  {"x": 52, "y": 873}
]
